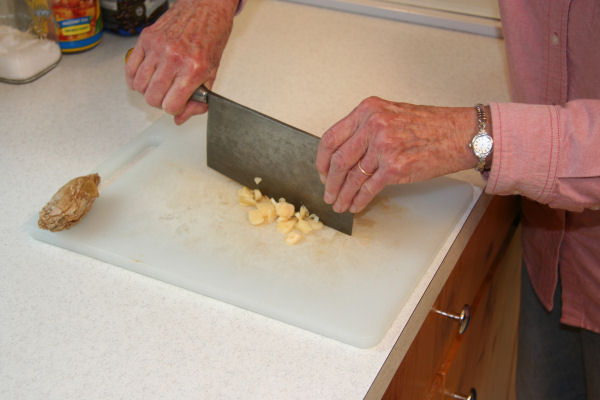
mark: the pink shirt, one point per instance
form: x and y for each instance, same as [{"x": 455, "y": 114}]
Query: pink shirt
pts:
[{"x": 547, "y": 147}]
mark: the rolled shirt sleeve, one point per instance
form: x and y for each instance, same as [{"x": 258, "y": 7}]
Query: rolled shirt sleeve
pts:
[{"x": 550, "y": 154}]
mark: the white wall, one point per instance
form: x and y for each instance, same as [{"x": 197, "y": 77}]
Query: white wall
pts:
[{"x": 481, "y": 8}]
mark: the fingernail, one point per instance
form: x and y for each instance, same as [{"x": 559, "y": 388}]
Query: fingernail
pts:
[
  {"x": 353, "y": 209},
  {"x": 328, "y": 198},
  {"x": 323, "y": 179}
]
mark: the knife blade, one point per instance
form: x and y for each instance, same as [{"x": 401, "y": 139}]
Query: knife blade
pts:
[{"x": 244, "y": 144}]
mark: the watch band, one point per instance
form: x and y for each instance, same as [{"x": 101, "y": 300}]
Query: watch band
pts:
[
  {"x": 482, "y": 135},
  {"x": 482, "y": 127},
  {"x": 481, "y": 117}
]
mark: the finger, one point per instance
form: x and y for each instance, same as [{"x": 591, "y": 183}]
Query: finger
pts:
[
  {"x": 333, "y": 138},
  {"x": 354, "y": 181},
  {"x": 133, "y": 62},
  {"x": 367, "y": 191},
  {"x": 159, "y": 85},
  {"x": 191, "y": 108},
  {"x": 342, "y": 160},
  {"x": 144, "y": 74},
  {"x": 195, "y": 107},
  {"x": 180, "y": 92}
]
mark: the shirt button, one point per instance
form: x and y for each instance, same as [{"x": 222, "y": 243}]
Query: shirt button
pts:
[{"x": 555, "y": 39}]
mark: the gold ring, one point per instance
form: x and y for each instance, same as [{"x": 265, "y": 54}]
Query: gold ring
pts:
[{"x": 363, "y": 171}]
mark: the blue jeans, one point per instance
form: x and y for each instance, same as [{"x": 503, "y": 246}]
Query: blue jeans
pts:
[{"x": 555, "y": 361}]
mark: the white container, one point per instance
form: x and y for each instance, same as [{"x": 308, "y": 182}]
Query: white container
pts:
[{"x": 24, "y": 56}]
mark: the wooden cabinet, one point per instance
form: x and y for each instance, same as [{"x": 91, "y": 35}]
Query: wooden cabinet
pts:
[
  {"x": 441, "y": 362},
  {"x": 485, "y": 355}
]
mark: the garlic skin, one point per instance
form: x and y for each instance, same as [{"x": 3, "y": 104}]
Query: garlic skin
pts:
[{"x": 70, "y": 203}]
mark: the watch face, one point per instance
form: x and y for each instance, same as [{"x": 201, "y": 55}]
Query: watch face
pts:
[{"x": 482, "y": 145}]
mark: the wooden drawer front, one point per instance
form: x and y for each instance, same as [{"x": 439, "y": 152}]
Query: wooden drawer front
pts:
[
  {"x": 486, "y": 353},
  {"x": 417, "y": 377}
]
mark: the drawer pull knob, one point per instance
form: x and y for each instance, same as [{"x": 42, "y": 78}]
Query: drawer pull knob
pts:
[
  {"x": 471, "y": 396},
  {"x": 463, "y": 318}
]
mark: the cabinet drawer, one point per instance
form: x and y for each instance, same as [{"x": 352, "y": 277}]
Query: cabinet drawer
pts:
[
  {"x": 417, "y": 377},
  {"x": 486, "y": 354}
]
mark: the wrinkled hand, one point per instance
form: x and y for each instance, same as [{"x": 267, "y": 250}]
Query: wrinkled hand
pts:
[
  {"x": 180, "y": 52},
  {"x": 395, "y": 143}
]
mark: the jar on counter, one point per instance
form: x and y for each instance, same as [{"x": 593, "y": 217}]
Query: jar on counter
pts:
[
  {"x": 79, "y": 24},
  {"x": 129, "y": 17},
  {"x": 28, "y": 49}
]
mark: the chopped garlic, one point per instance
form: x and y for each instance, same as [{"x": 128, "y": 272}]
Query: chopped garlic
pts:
[
  {"x": 246, "y": 197},
  {"x": 315, "y": 224},
  {"x": 293, "y": 237},
  {"x": 303, "y": 226},
  {"x": 256, "y": 217},
  {"x": 286, "y": 226},
  {"x": 268, "y": 210},
  {"x": 284, "y": 210},
  {"x": 303, "y": 212}
]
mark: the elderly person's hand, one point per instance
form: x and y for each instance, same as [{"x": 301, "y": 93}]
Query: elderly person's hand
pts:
[
  {"x": 180, "y": 52},
  {"x": 382, "y": 143}
]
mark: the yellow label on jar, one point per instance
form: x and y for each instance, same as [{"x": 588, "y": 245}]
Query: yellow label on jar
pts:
[{"x": 75, "y": 30}]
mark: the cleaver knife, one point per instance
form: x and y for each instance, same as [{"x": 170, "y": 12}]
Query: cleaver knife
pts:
[{"x": 244, "y": 144}]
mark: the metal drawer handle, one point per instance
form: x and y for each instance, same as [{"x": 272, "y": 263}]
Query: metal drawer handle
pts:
[
  {"x": 471, "y": 396},
  {"x": 464, "y": 318}
]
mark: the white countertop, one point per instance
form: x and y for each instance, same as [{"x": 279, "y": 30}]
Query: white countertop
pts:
[{"x": 74, "y": 327}]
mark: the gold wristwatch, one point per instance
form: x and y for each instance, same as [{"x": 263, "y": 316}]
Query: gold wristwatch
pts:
[{"x": 482, "y": 143}]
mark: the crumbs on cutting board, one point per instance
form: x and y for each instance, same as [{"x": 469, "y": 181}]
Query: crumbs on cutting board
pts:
[{"x": 266, "y": 210}]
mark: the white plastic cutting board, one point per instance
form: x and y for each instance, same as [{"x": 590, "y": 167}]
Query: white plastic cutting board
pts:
[{"x": 164, "y": 214}]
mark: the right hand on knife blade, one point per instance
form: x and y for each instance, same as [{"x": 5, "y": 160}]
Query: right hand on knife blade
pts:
[{"x": 180, "y": 52}]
